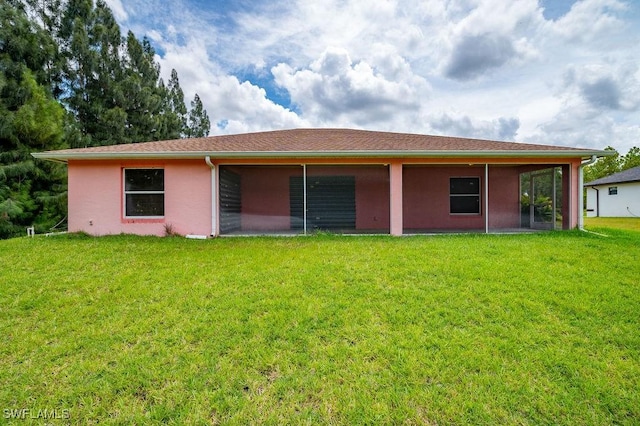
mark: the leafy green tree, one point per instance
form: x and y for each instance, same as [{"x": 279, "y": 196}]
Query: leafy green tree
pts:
[
  {"x": 31, "y": 192},
  {"x": 67, "y": 74},
  {"x": 604, "y": 166},
  {"x": 109, "y": 85},
  {"x": 631, "y": 159},
  {"x": 199, "y": 124}
]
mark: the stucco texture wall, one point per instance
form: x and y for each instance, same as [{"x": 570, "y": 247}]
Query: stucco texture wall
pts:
[
  {"x": 96, "y": 198},
  {"x": 426, "y": 198}
]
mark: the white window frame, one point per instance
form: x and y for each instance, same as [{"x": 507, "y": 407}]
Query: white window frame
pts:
[
  {"x": 478, "y": 194},
  {"x": 125, "y": 193},
  {"x": 613, "y": 190}
]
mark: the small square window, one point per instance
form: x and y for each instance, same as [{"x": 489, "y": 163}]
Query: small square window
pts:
[
  {"x": 144, "y": 192},
  {"x": 613, "y": 190},
  {"x": 464, "y": 195}
]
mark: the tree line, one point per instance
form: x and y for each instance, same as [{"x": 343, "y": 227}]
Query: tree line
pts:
[
  {"x": 615, "y": 163},
  {"x": 70, "y": 79}
]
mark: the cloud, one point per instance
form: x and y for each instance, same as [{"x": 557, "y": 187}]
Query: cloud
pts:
[
  {"x": 334, "y": 89},
  {"x": 503, "y": 128},
  {"x": 479, "y": 68},
  {"x": 614, "y": 87},
  {"x": 474, "y": 55},
  {"x": 233, "y": 106},
  {"x": 243, "y": 107},
  {"x": 589, "y": 20},
  {"x": 118, "y": 10},
  {"x": 490, "y": 36},
  {"x": 603, "y": 92},
  {"x": 576, "y": 129},
  {"x": 594, "y": 100}
]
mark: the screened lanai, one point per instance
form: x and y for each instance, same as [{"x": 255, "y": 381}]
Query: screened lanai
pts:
[
  {"x": 483, "y": 198},
  {"x": 356, "y": 199},
  {"x": 301, "y": 199}
]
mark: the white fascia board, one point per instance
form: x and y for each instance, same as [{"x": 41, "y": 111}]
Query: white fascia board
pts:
[{"x": 64, "y": 157}]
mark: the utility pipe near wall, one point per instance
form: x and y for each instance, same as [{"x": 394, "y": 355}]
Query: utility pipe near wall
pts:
[
  {"x": 598, "y": 201},
  {"x": 214, "y": 204},
  {"x": 581, "y": 190}
]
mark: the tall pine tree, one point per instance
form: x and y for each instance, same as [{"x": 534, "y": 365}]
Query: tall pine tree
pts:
[
  {"x": 69, "y": 78},
  {"x": 199, "y": 124},
  {"x": 143, "y": 104},
  {"x": 91, "y": 42},
  {"x": 175, "y": 111},
  {"x": 31, "y": 192}
]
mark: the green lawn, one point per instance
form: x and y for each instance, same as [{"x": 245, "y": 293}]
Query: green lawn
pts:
[
  {"x": 625, "y": 223},
  {"x": 467, "y": 329}
]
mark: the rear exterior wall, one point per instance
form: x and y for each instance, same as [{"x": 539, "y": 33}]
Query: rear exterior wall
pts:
[{"x": 96, "y": 198}]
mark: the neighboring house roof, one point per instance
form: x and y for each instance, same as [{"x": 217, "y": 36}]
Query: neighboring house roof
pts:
[
  {"x": 306, "y": 143},
  {"x": 629, "y": 175}
]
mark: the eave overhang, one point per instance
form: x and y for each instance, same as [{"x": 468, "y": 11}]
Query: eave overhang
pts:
[{"x": 61, "y": 156}]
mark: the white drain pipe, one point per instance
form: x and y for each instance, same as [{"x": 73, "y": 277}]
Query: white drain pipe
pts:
[{"x": 581, "y": 190}]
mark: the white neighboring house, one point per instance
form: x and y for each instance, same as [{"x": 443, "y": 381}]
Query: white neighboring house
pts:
[{"x": 617, "y": 195}]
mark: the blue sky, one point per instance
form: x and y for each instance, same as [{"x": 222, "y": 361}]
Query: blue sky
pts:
[{"x": 562, "y": 72}]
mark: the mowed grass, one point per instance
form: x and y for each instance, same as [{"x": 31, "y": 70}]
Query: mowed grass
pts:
[
  {"x": 473, "y": 329},
  {"x": 624, "y": 223}
]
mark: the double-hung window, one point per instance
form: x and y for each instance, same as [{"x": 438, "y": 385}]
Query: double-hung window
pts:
[
  {"x": 144, "y": 193},
  {"x": 464, "y": 195}
]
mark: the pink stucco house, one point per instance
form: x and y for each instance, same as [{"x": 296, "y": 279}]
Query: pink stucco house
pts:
[{"x": 302, "y": 180}]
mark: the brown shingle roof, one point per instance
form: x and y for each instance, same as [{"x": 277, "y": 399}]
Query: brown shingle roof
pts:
[{"x": 315, "y": 142}]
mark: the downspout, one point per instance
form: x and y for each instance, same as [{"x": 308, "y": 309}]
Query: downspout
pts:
[
  {"x": 581, "y": 190},
  {"x": 214, "y": 204},
  {"x": 597, "y": 200}
]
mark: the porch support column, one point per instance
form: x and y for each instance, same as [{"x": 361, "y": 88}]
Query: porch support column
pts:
[
  {"x": 304, "y": 199},
  {"x": 566, "y": 196},
  {"x": 575, "y": 194},
  {"x": 486, "y": 198},
  {"x": 215, "y": 229},
  {"x": 395, "y": 198}
]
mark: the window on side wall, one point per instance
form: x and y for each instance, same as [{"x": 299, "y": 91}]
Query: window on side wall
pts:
[
  {"x": 613, "y": 190},
  {"x": 144, "y": 193},
  {"x": 464, "y": 195}
]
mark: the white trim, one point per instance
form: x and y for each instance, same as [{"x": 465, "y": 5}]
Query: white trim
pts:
[
  {"x": 554, "y": 202},
  {"x": 581, "y": 190},
  {"x": 486, "y": 198},
  {"x": 125, "y": 193},
  {"x": 569, "y": 196},
  {"x": 214, "y": 196},
  {"x": 216, "y": 200},
  {"x": 304, "y": 198},
  {"x": 65, "y": 156}
]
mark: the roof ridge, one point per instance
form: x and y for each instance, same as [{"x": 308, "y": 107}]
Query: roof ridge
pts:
[{"x": 314, "y": 141}]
